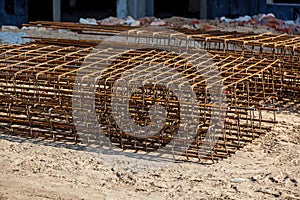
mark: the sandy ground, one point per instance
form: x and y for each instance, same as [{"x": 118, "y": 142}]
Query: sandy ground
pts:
[{"x": 268, "y": 168}]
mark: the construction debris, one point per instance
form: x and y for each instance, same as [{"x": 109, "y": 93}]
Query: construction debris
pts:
[
  {"x": 13, "y": 38},
  {"x": 268, "y": 20},
  {"x": 9, "y": 28},
  {"x": 112, "y": 21},
  {"x": 90, "y": 21}
]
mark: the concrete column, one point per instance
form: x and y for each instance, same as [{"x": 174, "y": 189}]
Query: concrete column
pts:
[
  {"x": 122, "y": 10},
  {"x": 203, "y": 9},
  {"x": 149, "y": 7},
  {"x": 132, "y": 6},
  {"x": 56, "y": 6},
  {"x": 135, "y": 8}
]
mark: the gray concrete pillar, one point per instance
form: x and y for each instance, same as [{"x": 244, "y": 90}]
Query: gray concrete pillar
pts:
[
  {"x": 132, "y": 6},
  {"x": 203, "y": 9},
  {"x": 135, "y": 8},
  {"x": 122, "y": 10},
  {"x": 56, "y": 6},
  {"x": 150, "y": 8}
]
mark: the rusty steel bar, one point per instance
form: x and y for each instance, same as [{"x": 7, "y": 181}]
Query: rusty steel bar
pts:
[{"x": 37, "y": 81}]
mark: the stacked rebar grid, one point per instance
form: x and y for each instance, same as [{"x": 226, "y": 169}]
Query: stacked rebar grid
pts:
[{"x": 249, "y": 72}]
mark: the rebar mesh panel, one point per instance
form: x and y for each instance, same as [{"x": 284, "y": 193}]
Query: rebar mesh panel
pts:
[{"x": 37, "y": 81}]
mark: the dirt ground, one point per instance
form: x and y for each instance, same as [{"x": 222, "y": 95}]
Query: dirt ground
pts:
[{"x": 268, "y": 168}]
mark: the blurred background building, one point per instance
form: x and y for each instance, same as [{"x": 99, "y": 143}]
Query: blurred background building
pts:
[{"x": 16, "y": 12}]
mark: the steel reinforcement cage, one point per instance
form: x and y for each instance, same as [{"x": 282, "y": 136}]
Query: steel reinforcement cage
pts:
[{"x": 37, "y": 83}]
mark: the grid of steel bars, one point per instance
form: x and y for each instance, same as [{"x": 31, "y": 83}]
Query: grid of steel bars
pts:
[
  {"x": 282, "y": 46},
  {"x": 37, "y": 82},
  {"x": 256, "y": 70}
]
